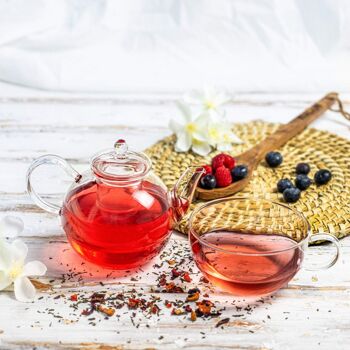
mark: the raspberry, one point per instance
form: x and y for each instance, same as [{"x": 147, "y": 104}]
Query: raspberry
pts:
[
  {"x": 223, "y": 159},
  {"x": 207, "y": 170},
  {"x": 218, "y": 161},
  {"x": 229, "y": 162},
  {"x": 223, "y": 176}
]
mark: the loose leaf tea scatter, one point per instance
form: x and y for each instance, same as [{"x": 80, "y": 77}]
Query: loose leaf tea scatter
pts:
[{"x": 178, "y": 291}]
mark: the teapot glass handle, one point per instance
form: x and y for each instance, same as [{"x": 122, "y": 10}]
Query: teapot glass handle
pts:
[
  {"x": 48, "y": 159},
  {"x": 329, "y": 238}
]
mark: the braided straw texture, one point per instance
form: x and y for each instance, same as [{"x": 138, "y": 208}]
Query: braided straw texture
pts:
[{"x": 327, "y": 207}]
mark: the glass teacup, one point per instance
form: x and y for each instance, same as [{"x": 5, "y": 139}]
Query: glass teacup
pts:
[{"x": 251, "y": 247}]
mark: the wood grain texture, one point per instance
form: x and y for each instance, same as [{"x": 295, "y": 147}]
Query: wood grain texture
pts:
[{"x": 312, "y": 312}]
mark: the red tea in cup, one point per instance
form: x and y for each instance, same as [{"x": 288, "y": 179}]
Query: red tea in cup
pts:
[
  {"x": 245, "y": 264},
  {"x": 250, "y": 247}
]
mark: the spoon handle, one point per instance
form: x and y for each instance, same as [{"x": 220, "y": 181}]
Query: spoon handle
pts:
[{"x": 287, "y": 131}]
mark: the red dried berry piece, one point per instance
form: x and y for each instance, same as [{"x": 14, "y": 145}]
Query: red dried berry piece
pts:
[
  {"x": 188, "y": 308},
  {"x": 223, "y": 176},
  {"x": 218, "y": 161},
  {"x": 74, "y": 297},
  {"x": 175, "y": 273},
  {"x": 186, "y": 276}
]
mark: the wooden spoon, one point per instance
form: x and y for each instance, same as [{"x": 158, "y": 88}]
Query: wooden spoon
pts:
[{"x": 282, "y": 135}]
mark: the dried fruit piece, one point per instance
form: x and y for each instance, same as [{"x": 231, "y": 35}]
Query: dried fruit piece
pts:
[
  {"x": 193, "y": 316},
  {"x": 188, "y": 308},
  {"x": 106, "y": 310},
  {"x": 186, "y": 276},
  {"x": 177, "y": 312},
  {"x": 172, "y": 288},
  {"x": 204, "y": 307},
  {"x": 175, "y": 273},
  {"x": 193, "y": 296},
  {"x": 134, "y": 303},
  {"x": 87, "y": 312},
  {"x": 97, "y": 298},
  {"x": 168, "y": 304},
  {"x": 155, "y": 309},
  {"x": 74, "y": 297}
]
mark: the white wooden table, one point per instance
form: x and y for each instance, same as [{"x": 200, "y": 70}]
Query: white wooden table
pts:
[{"x": 313, "y": 312}]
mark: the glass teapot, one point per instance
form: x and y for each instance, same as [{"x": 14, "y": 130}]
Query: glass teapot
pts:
[{"x": 118, "y": 214}]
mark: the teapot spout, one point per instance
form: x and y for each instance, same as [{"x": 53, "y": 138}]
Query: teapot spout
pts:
[{"x": 182, "y": 194}]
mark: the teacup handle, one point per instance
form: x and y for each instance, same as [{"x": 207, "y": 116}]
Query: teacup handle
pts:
[
  {"x": 48, "y": 159},
  {"x": 325, "y": 237}
]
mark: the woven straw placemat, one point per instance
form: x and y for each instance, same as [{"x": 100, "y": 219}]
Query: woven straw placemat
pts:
[{"x": 326, "y": 207}]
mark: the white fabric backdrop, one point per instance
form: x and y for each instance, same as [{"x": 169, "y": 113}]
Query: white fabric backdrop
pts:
[{"x": 171, "y": 45}]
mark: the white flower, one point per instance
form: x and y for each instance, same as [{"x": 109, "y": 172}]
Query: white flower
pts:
[
  {"x": 208, "y": 99},
  {"x": 12, "y": 262},
  {"x": 221, "y": 136},
  {"x": 191, "y": 131},
  {"x": 208, "y": 128}
]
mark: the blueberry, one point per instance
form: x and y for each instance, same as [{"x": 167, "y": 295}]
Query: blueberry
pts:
[
  {"x": 284, "y": 184},
  {"x": 302, "y": 168},
  {"x": 239, "y": 172},
  {"x": 291, "y": 195},
  {"x": 274, "y": 159},
  {"x": 208, "y": 182},
  {"x": 322, "y": 176},
  {"x": 302, "y": 182}
]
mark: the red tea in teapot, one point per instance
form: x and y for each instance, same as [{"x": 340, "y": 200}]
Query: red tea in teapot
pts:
[
  {"x": 119, "y": 214},
  {"x": 118, "y": 227}
]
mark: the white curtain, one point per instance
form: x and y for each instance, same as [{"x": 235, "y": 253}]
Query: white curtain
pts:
[{"x": 172, "y": 45}]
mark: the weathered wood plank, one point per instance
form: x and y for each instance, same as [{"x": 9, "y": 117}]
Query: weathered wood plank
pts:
[{"x": 314, "y": 299}]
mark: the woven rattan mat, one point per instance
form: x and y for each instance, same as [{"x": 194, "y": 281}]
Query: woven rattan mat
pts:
[{"x": 326, "y": 207}]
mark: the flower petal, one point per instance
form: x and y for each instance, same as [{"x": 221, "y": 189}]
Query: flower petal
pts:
[
  {"x": 6, "y": 255},
  {"x": 11, "y": 226},
  {"x": 202, "y": 120},
  {"x": 34, "y": 268},
  {"x": 5, "y": 280},
  {"x": 183, "y": 142},
  {"x": 224, "y": 147},
  {"x": 232, "y": 138},
  {"x": 24, "y": 290},
  {"x": 185, "y": 110},
  {"x": 195, "y": 97},
  {"x": 175, "y": 126},
  {"x": 19, "y": 250},
  {"x": 201, "y": 148}
]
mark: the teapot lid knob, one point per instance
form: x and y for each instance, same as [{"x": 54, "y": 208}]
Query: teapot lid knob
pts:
[{"x": 121, "y": 149}]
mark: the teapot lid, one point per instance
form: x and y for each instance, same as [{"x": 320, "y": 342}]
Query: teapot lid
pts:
[{"x": 120, "y": 164}]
